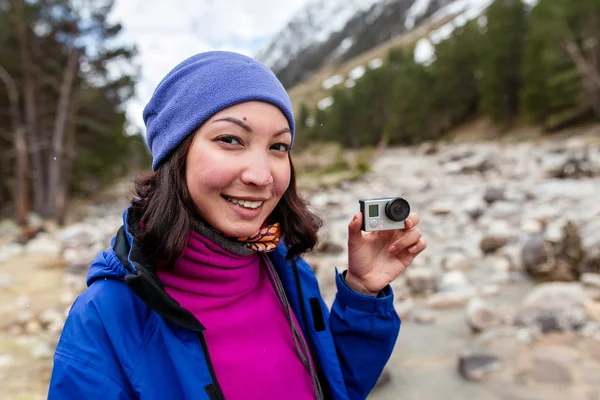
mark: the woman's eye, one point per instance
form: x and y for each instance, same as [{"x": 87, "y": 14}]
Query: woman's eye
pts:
[
  {"x": 281, "y": 147},
  {"x": 229, "y": 140}
]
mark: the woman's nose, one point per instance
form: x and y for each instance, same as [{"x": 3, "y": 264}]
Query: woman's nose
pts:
[{"x": 257, "y": 172}]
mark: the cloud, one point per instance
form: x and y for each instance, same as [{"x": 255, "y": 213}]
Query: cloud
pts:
[{"x": 167, "y": 33}]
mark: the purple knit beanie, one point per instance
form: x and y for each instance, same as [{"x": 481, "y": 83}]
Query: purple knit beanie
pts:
[{"x": 201, "y": 86}]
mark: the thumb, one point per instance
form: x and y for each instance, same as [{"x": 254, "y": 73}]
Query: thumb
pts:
[{"x": 354, "y": 231}]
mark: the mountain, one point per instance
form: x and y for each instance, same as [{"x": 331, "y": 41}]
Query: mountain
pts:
[{"x": 327, "y": 31}]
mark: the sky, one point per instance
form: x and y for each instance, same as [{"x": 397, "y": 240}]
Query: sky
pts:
[{"x": 166, "y": 33}]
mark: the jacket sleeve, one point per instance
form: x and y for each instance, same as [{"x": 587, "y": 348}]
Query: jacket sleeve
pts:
[
  {"x": 85, "y": 363},
  {"x": 364, "y": 329},
  {"x": 74, "y": 379}
]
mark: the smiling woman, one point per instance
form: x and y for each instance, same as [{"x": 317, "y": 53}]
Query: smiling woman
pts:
[{"x": 203, "y": 293}]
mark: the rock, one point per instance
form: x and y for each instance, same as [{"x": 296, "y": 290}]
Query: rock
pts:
[
  {"x": 546, "y": 369},
  {"x": 24, "y": 316},
  {"x": 591, "y": 330},
  {"x": 476, "y": 366},
  {"x": 493, "y": 194},
  {"x": 553, "y": 258},
  {"x": 42, "y": 351},
  {"x": 43, "y": 245},
  {"x": 453, "y": 299},
  {"x": 476, "y": 163},
  {"x": 67, "y": 298},
  {"x": 576, "y": 163},
  {"x": 531, "y": 226},
  {"x": 442, "y": 207},
  {"x": 490, "y": 290},
  {"x": 474, "y": 207},
  {"x": 330, "y": 248},
  {"x": 10, "y": 250},
  {"x": 505, "y": 210},
  {"x": 428, "y": 148},
  {"x": 79, "y": 235},
  {"x": 33, "y": 327},
  {"x": 492, "y": 242},
  {"x": 15, "y": 330},
  {"x": 481, "y": 315},
  {"x": 421, "y": 280},
  {"x": 590, "y": 279},
  {"x": 51, "y": 316},
  {"x": 554, "y": 307},
  {"x": 404, "y": 309},
  {"x": 457, "y": 262},
  {"x": 592, "y": 311},
  {"x": 423, "y": 316},
  {"x": 6, "y": 360},
  {"x": 591, "y": 262},
  {"x": 453, "y": 280},
  {"x": 534, "y": 251}
]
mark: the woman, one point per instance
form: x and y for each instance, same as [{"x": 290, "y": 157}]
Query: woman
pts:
[{"x": 203, "y": 293}]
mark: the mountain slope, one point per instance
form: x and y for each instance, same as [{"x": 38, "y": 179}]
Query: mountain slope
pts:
[{"x": 327, "y": 31}]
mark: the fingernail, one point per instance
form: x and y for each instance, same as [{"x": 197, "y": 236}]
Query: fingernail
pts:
[
  {"x": 392, "y": 249},
  {"x": 412, "y": 248},
  {"x": 408, "y": 223},
  {"x": 355, "y": 216}
]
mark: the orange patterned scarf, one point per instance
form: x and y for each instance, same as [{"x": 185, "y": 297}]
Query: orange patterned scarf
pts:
[{"x": 265, "y": 240}]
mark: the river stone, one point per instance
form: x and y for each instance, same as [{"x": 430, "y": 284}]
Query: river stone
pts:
[
  {"x": 421, "y": 280},
  {"x": 493, "y": 194},
  {"x": 452, "y": 299},
  {"x": 453, "y": 280},
  {"x": 457, "y": 262},
  {"x": 554, "y": 307},
  {"x": 548, "y": 370},
  {"x": 480, "y": 315},
  {"x": 591, "y": 280},
  {"x": 492, "y": 242},
  {"x": 476, "y": 366},
  {"x": 423, "y": 316}
]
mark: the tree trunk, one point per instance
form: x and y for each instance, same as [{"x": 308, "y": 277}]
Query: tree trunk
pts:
[
  {"x": 589, "y": 73},
  {"x": 21, "y": 186},
  {"x": 68, "y": 159},
  {"x": 60, "y": 125},
  {"x": 30, "y": 106}
]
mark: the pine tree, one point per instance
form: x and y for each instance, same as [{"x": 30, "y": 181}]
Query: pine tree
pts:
[{"x": 500, "y": 60}]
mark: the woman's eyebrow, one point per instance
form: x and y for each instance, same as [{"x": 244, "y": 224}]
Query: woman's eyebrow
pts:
[
  {"x": 236, "y": 121},
  {"x": 247, "y": 127}
]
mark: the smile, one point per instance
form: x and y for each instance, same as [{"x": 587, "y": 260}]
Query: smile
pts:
[{"x": 244, "y": 203}]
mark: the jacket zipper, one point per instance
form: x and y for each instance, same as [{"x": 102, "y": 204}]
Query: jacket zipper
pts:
[
  {"x": 214, "y": 389},
  {"x": 323, "y": 381}
]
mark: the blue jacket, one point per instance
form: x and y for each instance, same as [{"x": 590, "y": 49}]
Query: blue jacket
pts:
[{"x": 125, "y": 338}]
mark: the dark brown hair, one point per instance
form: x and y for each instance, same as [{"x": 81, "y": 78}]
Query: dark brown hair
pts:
[{"x": 164, "y": 208}]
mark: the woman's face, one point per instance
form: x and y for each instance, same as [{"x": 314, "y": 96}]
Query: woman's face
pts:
[{"x": 238, "y": 167}]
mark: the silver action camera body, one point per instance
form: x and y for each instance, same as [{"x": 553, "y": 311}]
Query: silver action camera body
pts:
[{"x": 384, "y": 213}]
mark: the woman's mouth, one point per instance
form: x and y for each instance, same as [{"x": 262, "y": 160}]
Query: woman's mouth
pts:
[{"x": 244, "y": 203}]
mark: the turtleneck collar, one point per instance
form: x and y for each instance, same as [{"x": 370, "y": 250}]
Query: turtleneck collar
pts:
[{"x": 208, "y": 269}]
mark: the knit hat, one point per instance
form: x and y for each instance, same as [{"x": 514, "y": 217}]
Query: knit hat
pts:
[{"x": 201, "y": 86}]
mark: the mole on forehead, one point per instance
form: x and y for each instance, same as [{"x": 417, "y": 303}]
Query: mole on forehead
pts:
[{"x": 244, "y": 118}]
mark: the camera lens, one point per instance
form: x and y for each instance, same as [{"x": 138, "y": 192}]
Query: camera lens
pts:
[{"x": 397, "y": 209}]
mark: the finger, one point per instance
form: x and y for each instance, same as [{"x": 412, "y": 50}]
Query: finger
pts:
[
  {"x": 410, "y": 238},
  {"x": 418, "y": 247},
  {"x": 412, "y": 220},
  {"x": 354, "y": 226}
]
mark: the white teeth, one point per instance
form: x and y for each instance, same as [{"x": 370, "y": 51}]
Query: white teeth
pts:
[{"x": 245, "y": 203}]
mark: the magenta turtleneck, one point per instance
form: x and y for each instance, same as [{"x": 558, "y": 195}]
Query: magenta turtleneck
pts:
[{"x": 247, "y": 333}]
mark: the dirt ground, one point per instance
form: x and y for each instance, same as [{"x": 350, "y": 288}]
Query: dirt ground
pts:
[{"x": 37, "y": 284}]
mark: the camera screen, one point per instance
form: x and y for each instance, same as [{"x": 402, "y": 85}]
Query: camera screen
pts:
[{"x": 374, "y": 210}]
